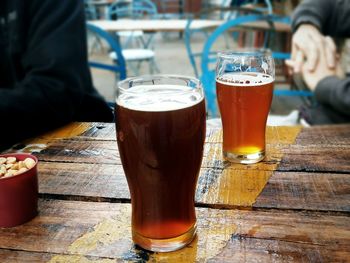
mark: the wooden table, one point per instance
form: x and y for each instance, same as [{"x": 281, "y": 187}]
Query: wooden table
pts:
[
  {"x": 175, "y": 25},
  {"x": 292, "y": 207},
  {"x": 154, "y": 25}
]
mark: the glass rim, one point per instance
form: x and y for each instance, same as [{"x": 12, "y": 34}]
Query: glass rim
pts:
[
  {"x": 121, "y": 83},
  {"x": 244, "y": 52}
]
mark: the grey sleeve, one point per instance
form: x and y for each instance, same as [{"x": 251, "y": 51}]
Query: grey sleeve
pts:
[
  {"x": 330, "y": 16},
  {"x": 334, "y": 92}
]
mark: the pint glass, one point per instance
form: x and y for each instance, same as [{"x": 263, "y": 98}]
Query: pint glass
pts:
[
  {"x": 244, "y": 85},
  {"x": 160, "y": 123}
]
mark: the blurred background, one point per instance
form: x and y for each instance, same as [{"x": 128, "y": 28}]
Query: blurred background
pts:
[{"x": 175, "y": 42}]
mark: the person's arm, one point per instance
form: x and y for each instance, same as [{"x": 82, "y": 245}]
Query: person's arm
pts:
[
  {"x": 313, "y": 22},
  {"x": 331, "y": 17},
  {"x": 334, "y": 92},
  {"x": 55, "y": 71},
  {"x": 329, "y": 89}
]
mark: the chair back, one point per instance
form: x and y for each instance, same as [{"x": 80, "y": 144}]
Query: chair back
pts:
[
  {"x": 208, "y": 55},
  {"x": 136, "y": 9},
  {"x": 118, "y": 66},
  {"x": 212, "y": 13},
  {"x": 264, "y": 8},
  {"x": 172, "y": 8},
  {"x": 90, "y": 10}
]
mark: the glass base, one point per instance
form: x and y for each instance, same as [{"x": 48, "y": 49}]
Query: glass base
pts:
[
  {"x": 166, "y": 244},
  {"x": 244, "y": 158}
]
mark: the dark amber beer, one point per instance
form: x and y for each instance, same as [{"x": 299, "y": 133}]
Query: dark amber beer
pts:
[
  {"x": 160, "y": 134},
  {"x": 244, "y": 101}
]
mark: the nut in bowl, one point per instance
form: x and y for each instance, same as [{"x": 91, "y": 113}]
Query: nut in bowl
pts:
[
  {"x": 10, "y": 166},
  {"x": 18, "y": 189}
]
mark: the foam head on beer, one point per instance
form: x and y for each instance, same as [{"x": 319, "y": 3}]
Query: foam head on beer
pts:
[
  {"x": 245, "y": 79},
  {"x": 159, "y": 98}
]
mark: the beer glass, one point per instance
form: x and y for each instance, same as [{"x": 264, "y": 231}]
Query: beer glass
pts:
[
  {"x": 160, "y": 124},
  {"x": 244, "y": 85}
]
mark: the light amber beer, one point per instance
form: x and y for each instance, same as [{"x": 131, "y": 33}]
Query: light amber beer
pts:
[
  {"x": 244, "y": 101},
  {"x": 161, "y": 148}
]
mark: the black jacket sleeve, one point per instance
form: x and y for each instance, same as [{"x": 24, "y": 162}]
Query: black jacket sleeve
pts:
[
  {"x": 56, "y": 78},
  {"x": 332, "y": 18},
  {"x": 335, "y": 92}
]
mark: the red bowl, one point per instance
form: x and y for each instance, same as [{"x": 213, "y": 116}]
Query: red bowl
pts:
[{"x": 19, "y": 194}]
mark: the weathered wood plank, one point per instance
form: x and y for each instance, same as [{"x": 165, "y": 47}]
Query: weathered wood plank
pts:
[
  {"x": 243, "y": 188},
  {"x": 256, "y": 250},
  {"x": 216, "y": 187},
  {"x": 88, "y": 229},
  {"x": 81, "y": 151},
  {"x": 100, "y": 131},
  {"x": 318, "y": 135},
  {"x": 331, "y": 134},
  {"x": 325, "y": 135},
  {"x": 326, "y": 158},
  {"x": 86, "y": 181},
  {"x": 10, "y": 256},
  {"x": 313, "y": 158},
  {"x": 307, "y": 191},
  {"x": 274, "y": 134},
  {"x": 23, "y": 256}
]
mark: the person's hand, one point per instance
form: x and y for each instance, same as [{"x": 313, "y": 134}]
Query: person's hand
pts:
[
  {"x": 307, "y": 43},
  {"x": 321, "y": 71}
]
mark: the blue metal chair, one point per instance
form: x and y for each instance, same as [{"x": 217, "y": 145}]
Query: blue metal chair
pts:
[
  {"x": 172, "y": 9},
  {"x": 90, "y": 10},
  {"x": 118, "y": 67},
  {"x": 208, "y": 61},
  {"x": 227, "y": 10},
  {"x": 136, "y": 9},
  {"x": 267, "y": 9},
  {"x": 213, "y": 13},
  {"x": 253, "y": 5}
]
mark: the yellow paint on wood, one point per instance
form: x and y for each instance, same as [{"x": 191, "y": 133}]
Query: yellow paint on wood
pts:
[
  {"x": 106, "y": 233},
  {"x": 240, "y": 185},
  {"x": 214, "y": 137},
  {"x": 215, "y": 228},
  {"x": 212, "y": 237},
  {"x": 78, "y": 259},
  {"x": 68, "y": 131},
  {"x": 282, "y": 134}
]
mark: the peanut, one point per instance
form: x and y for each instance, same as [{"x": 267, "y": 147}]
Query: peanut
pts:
[
  {"x": 22, "y": 170},
  {"x": 10, "y": 166},
  {"x": 29, "y": 162},
  {"x": 11, "y": 160},
  {"x": 15, "y": 166},
  {"x": 21, "y": 164},
  {"x": 3, "y": 169}
]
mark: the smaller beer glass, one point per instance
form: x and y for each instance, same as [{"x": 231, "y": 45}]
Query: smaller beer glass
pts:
[
  {"x": 160, "y": 123},
  {"x": 244, "y": 85}
]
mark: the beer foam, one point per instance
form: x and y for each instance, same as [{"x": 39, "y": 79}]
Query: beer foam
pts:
[
  {"x": 159, "y": 98},
  {"x": 245, "y": 79}
]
